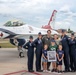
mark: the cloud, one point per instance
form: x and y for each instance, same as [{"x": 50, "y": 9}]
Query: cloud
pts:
[
  {"x": 70, "y": 20},
  {"x": 37, "y": 12},
  {"x": 31, "y": 10},
  {"x": 28, "y": 6},
  {"x": 71, "y": 14},
  {"x": 61, "y": 24},
  {"x": 65, "y": 9},
  {"x": 66, "y": 17}
]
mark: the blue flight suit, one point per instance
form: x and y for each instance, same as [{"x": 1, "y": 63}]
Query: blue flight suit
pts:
[
  {"x": 30, "y": 54},
  {"x": 39, "y": 46},
  {"x": 72, "y": 45},
  {"x": 65, "y": 44}
]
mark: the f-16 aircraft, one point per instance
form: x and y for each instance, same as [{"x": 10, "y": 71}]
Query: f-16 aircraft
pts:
[{"x": 18, "y": 31}]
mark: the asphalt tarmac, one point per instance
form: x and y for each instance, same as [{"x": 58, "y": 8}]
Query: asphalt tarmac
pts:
[{"x": 11, "y": 64}]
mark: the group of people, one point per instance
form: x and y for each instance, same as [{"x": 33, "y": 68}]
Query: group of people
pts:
[{"x": 65, "y": 48}]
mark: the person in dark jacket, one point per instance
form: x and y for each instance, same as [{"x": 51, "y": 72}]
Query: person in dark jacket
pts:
[
  {"x": 65, "y": 44},
  {"x": 72, "y": 45},
  {"x": 30, "y": 53},
  {"x": 39, "y": 46}
]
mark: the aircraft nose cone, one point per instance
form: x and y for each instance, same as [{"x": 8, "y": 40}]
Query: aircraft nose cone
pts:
[{"x": 1, "y": 34}]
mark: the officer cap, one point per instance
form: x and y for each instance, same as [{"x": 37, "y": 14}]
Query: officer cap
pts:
[
  {"x": 39, "y": 33},
  {"x": 31, "y": 37},
  {"x": 63, "y": 30},
  {"x": 72, "y": 34}
]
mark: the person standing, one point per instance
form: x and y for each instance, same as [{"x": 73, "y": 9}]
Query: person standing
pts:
[
  {"x": 46, "y": 40},
  {"x": 65, "y": 45},
  {"x": 44, "y": 58},
  {"x": 60, "y": 56},
  {"x": 57, "y": 39},
  {"x": 72, "y": 45},
  {"x": 39, "y": 46},
  {"x": 53, "y": 47},
  {"x": 30, "y": 53}
]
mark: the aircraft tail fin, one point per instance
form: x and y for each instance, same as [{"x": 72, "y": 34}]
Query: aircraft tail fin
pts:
[{"x": 51, "y": 21}]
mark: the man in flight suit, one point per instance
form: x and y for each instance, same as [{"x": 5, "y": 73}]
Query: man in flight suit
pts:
[
  {"x": 65, "y": 44},
  {"x": 47, "y": 40}
]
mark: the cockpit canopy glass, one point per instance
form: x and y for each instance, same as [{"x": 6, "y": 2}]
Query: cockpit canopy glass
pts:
[{"x": 13, "y": 23}]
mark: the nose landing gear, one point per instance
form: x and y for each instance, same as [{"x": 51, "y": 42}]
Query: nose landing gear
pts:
[{"x": 21, "y": 54}]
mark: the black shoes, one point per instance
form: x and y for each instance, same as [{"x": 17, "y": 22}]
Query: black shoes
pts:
[
  {"x": 39, "y": 70},
  {"x": 72, "y": 70},
  {"x": 68, "y": 70},
  {"x": 65, "y": 71},
  {"x": 48, "y": 69},
  {"x": 31, "y": 70},
  {"x": 60, "y": 72},
  {"x": 54, "y": 70}
]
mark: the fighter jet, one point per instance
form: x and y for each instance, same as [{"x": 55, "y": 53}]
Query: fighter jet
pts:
[{"x": 18, "y": 32}]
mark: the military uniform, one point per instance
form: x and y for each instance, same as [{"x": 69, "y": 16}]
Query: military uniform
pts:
[
  {"x": 65, "y": 44},
  {"x": 39, "y": 46},
  {"x": 30, "y": 54},
  {"x": 47, "y": 40},
  {"x": 72, "y": 45}
]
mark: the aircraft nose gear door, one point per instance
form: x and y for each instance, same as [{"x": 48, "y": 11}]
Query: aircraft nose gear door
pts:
[{"x": 15, "y": 42}]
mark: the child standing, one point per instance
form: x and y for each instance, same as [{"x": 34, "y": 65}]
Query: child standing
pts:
[
  {"x": 53, "y": 47},
  {"x": 44, "y": 58},
  {"x": 60, "y": 55}
]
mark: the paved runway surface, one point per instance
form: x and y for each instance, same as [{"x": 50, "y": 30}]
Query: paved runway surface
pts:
[{"x": 11, "y": 64}]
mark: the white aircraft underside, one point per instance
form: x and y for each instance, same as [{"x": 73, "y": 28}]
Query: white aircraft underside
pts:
[{"x": 23, "y": 31}]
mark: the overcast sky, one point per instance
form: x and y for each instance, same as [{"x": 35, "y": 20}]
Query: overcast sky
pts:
[{"x": 38, "y": 12}]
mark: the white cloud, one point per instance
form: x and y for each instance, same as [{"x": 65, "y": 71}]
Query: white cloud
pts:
[
  {"x": 66, "y": 16},
  {"x": 26, "y": 9},
  {"x": 65, "y": 23},
  {"x": 65, "y": 8},
  {"x": 32, "y": 11},
  {"x": 69, "y": 19},
  {"x": 71, "y": 14},
  {"x": 29, "y": 6},
  {"x": 62, "y": 25}
]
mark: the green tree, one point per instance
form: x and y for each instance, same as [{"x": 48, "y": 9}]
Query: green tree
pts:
[{"x": 69, "y": 30}]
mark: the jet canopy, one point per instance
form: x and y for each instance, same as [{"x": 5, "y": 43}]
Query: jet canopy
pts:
[{"x": 13, "y": 23}]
